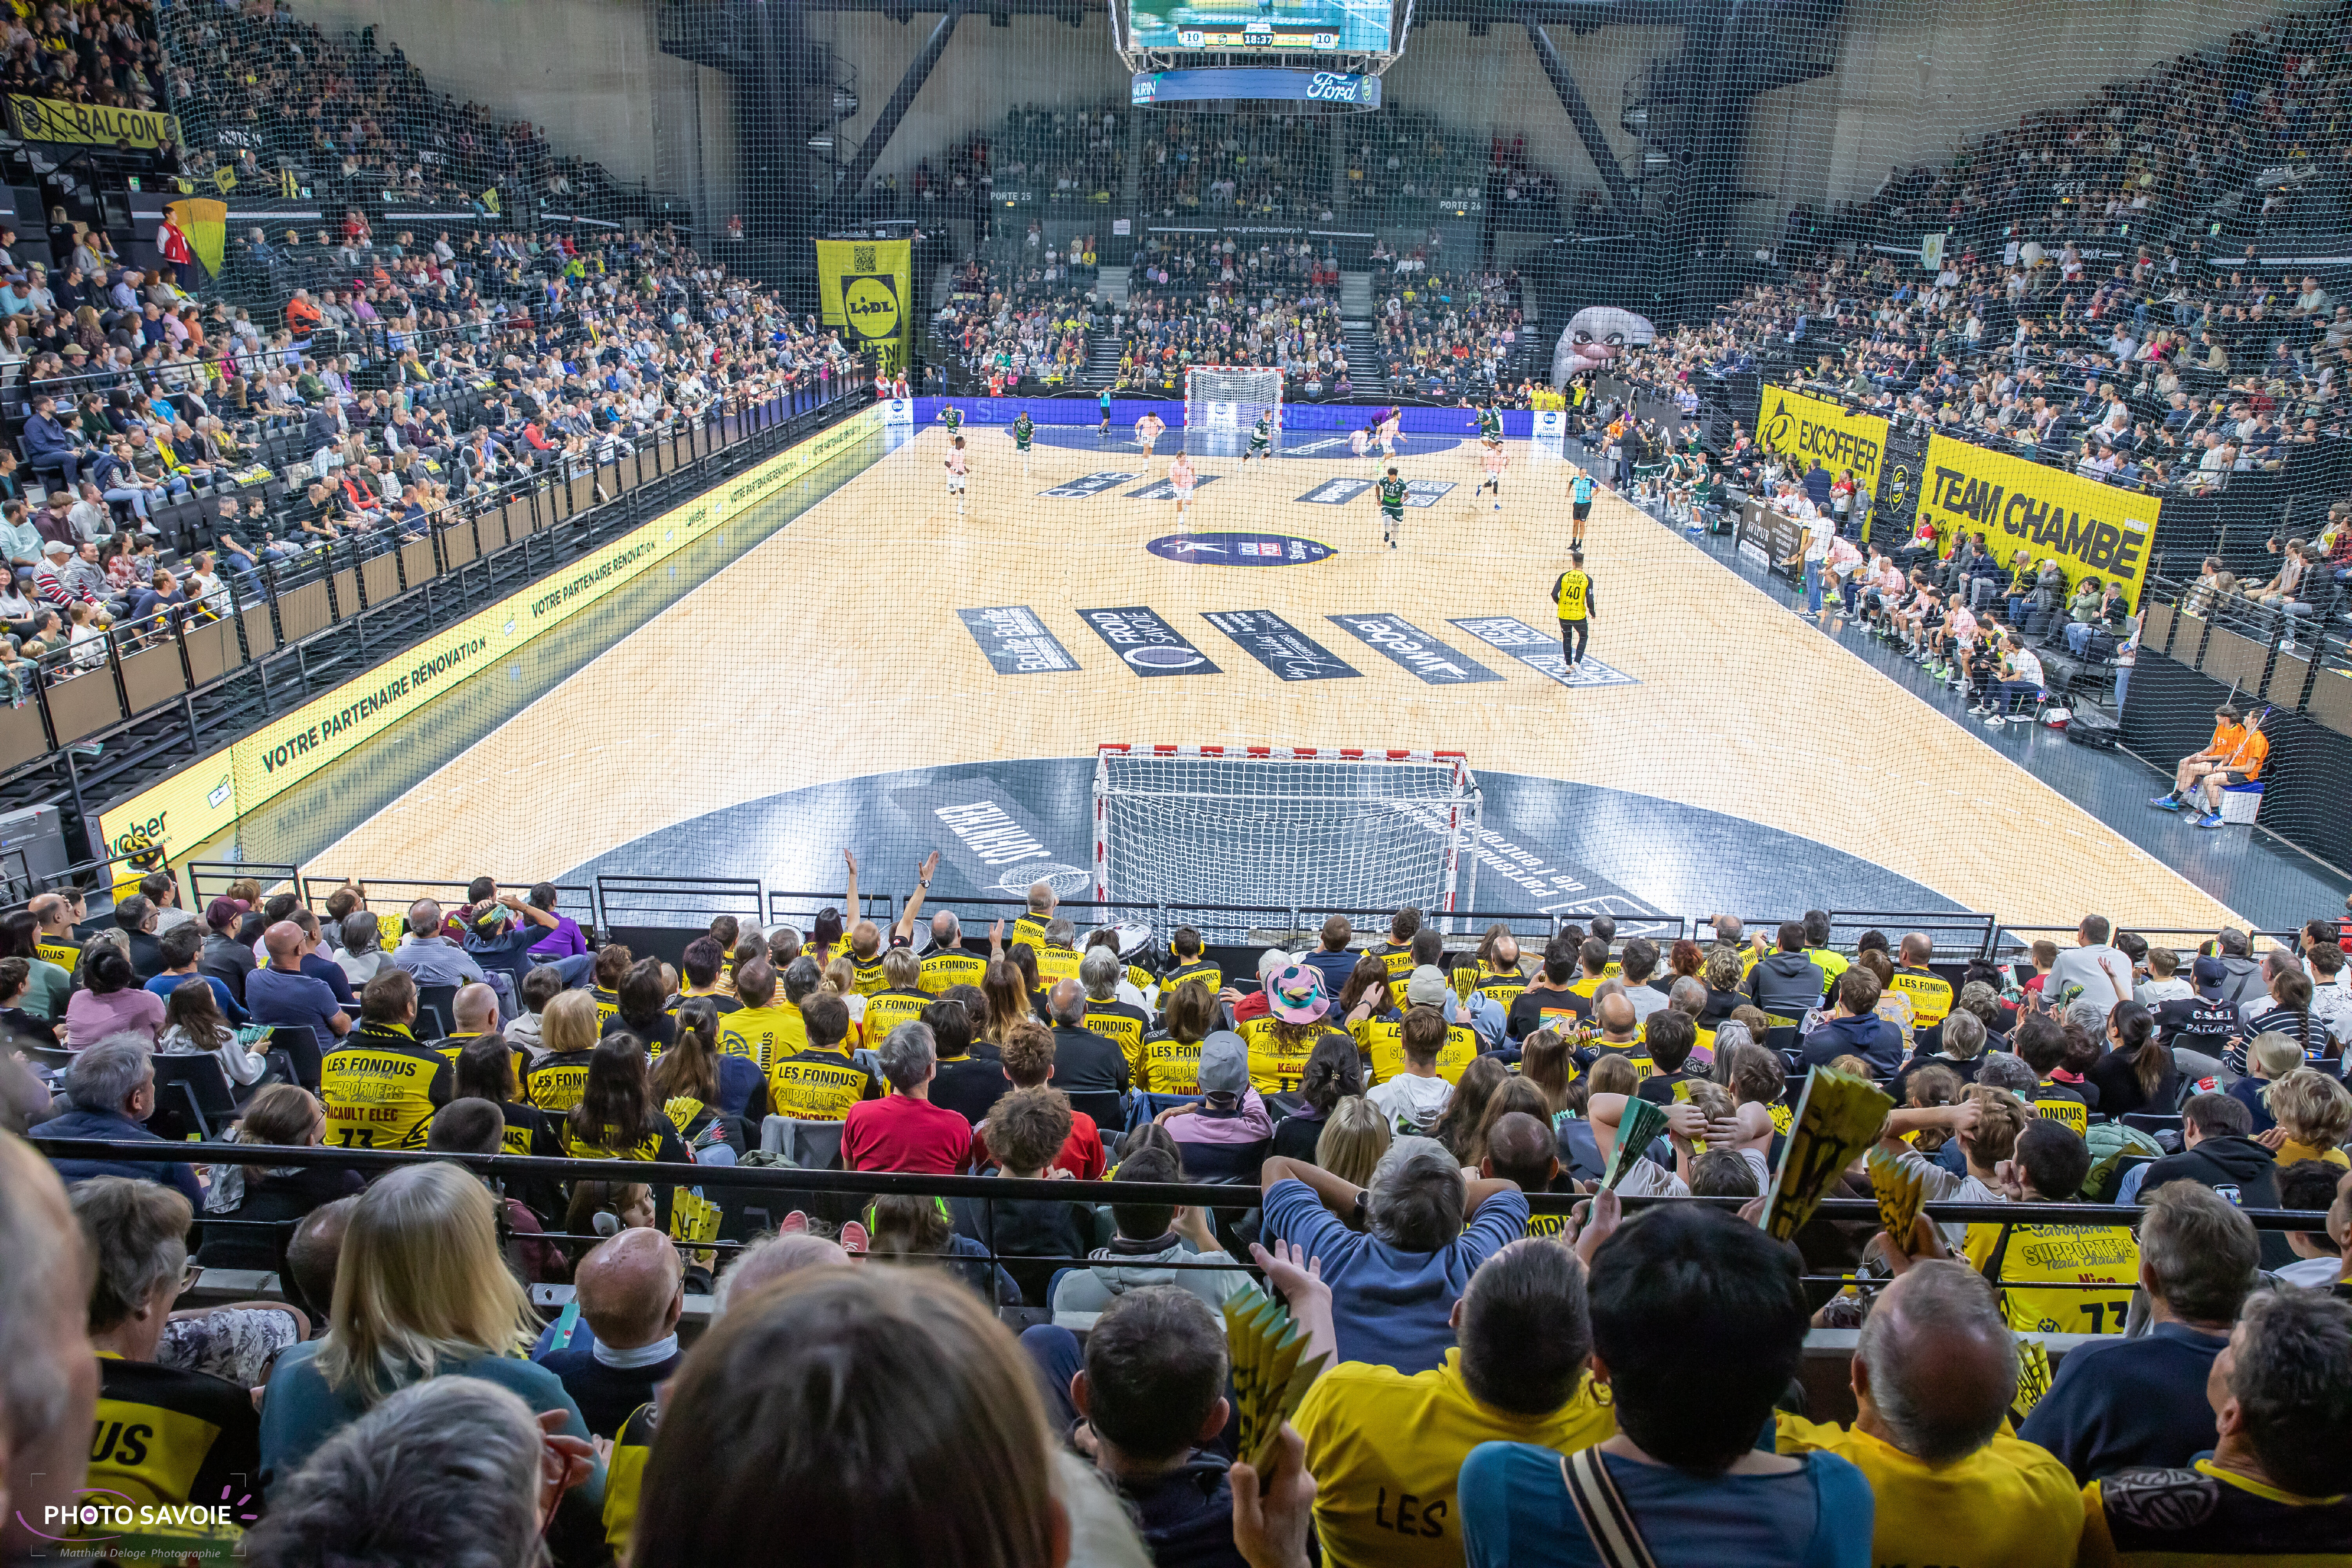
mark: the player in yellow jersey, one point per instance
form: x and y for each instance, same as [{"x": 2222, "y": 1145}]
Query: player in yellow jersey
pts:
[
  {"x": 380, "y": 1084},
  {"x": 1572, "y": 598}
]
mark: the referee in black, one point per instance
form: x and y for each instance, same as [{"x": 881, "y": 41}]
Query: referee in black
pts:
[{"x": 1572, "y": 597}]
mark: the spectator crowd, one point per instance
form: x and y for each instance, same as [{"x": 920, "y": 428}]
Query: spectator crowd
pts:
[{"x": 1045, "y": 1376}]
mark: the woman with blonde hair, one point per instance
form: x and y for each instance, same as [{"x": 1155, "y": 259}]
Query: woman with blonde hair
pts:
[
  {"x": 421, "y": 1291},
  {"x": 841, "y": 980},
  {"x": 1355, "y": 1135}
]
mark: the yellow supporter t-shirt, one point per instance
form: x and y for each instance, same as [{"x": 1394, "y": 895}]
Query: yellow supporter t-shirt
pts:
[
  {"x": 1382, "y": 1042},
  {"x": 1385, "y": 1449},
  {"x": 2060, "y": 1254},
  {"x": 762, "y": 1034},
  {"x": 554, "y": 1083},
  {"x": 952, "y": 966},
  {"x": 867, "y": 976},
  {"x": 886, "y": 1010},
  {"x": 812, "y": 1085},
  {"x": 381, "y": 1088},
  {"x": 2011, "y": 1504},
  {"x": 1199, "y": 969},
  {"x": 1165, "y": 1066},
  {"x": 1272, "y": 1069}
]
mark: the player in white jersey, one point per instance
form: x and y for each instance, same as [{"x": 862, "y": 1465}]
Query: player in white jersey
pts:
[
  {"x": 954, "y": 464},
  {"x": 1179, "y": 478},
  {"x": 1390, "y": 437},
  {"x": 1360, "y": 442},
  {"x": 1491, "y": 459},
  {"x": 1147, "y": 432}
]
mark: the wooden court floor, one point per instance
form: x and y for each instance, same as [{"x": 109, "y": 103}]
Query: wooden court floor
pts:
[{"x": 833, "y": 650}]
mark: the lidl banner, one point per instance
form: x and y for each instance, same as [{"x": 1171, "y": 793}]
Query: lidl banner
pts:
[
  {"x": 2088, "y": 528},
  {"x": 1805, "y": 429},
  {"x": 193, "y": 805},
  {"x": 868, "y": 287},
  {"x": 88, "y": 124}
]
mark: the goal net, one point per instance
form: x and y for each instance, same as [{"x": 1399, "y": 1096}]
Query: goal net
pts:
[
  {"x": 1317, "y": 831},
  {"x": 1222, "y": 405}
]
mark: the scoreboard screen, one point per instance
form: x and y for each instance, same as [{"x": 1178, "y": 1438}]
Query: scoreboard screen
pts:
[{"x": 1309, "y": 27}]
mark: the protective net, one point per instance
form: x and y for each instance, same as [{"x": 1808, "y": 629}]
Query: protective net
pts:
[
  {"x": 1313, "y": 833},
  {"x": 2064, "y": 276},
  {"x": 1227, "y": 410}
]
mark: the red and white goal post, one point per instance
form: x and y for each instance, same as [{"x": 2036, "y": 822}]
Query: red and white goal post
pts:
[{"x": 1301, "y": 826}]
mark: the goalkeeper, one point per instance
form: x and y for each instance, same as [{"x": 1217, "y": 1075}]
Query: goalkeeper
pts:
[{"x": 1261, "y": 442}]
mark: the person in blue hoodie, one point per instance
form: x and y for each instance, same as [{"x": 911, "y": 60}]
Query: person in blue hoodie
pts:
[
  {"x": 1855, "y": 1028},
  {"x": 112, "y": 1084}
]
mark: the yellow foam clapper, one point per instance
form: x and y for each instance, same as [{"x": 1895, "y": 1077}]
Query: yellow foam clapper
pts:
[
  {"x": 1899, "y": 1193},
  {"x": 1838, "y": 1116},
  {"x": 1640, "y": 1124},
  {"x": 2033, "y": 1377},
  {"x": 1271, "y": 1370}
]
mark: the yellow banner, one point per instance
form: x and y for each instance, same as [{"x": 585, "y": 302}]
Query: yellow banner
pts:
[
  {"x": 1805, "y": 429},
  {"x": 2091, "y": 529},
  {"x": 90, "y": 124},
  {"x": 867, "y": 285},
  {"x": 202, "y": 800}
]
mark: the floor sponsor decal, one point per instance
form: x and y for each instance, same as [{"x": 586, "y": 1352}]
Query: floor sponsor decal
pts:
[
  {"x": 1240, "y": 548},
  {"x": 1015, "y": 641},
  {"x": 1149, "y": 645},
  {"x": 1086, "y": 485},
  {"x": 1160, "y": 490},
  {"x": 1424, "y": 655},
  {"x": 1281, "y": 648},
  {"x": 1540, "y": 651},
  {"x": 1336, "y": 493}
]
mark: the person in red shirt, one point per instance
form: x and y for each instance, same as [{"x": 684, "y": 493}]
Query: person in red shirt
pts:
[
  {"x": 904, "y": 1131},
  {"x": 1028, "y": 1058}
]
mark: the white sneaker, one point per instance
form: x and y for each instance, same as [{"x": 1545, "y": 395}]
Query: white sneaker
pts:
[
  {"x": 1995, "y": 722},
  {"x": 1979, "y": 711}
]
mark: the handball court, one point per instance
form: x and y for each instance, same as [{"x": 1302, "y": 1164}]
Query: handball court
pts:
[{"x": 847, "y": 645}]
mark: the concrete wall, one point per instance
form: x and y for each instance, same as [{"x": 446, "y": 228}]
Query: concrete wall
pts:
[
  {"x": 588, "y": 73},
  {"x": 1919, "y": 78}
]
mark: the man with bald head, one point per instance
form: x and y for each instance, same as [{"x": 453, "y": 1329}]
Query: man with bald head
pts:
[
  {"x": 1523, "y": 1150},
  {"x": 281, "y": 993},
  {"x": 632, "y": 1293},
  {"x": 1031, "y": 927},
  {"x": 1934, "y": 1372},
  {"x": 1620, "y": 1027},
  {"x": 949, "y": 963},
  {"x": 429, "y": 957},
  {"x": 476, "y": 1010}
]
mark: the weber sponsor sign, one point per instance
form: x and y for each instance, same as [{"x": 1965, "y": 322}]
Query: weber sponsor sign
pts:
[
  {"x": 1015, "y": 641},
  {"x": 1287, "y": 652},
  {"x": 1146, "y": 643},
  {"x": 1428, "y": 659}
]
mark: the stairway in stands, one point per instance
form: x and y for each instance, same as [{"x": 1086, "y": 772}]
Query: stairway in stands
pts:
[{"x": 1363, "y": 358}]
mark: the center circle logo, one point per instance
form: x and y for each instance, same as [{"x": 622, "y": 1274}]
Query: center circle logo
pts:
[
  {"x": 1240, "y": 548},
  {"x": 1161, "y": 658}
]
